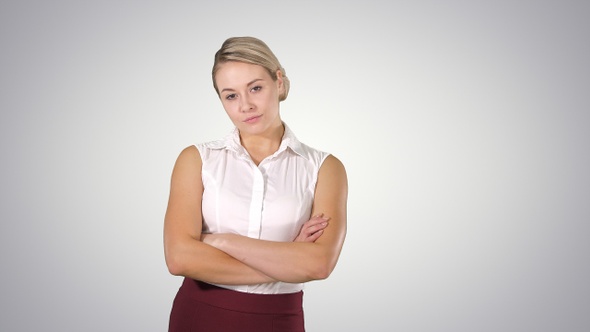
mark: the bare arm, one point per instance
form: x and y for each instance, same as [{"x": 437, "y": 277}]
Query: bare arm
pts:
[
  {"x": 185, "y": 254},
  {"x": 299, "y": 261}
]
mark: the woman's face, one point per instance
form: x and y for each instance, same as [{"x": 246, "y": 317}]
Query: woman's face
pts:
[{"x": 250, "y": 96}]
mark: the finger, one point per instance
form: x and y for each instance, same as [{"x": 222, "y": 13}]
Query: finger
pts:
[
  {"x": 316, "y": 227},
  {"x": 313, "y": 237},
  {"x": 316, "y": 220}
]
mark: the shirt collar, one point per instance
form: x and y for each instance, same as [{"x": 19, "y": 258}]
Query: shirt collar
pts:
[{"x": 232, "y": 142}]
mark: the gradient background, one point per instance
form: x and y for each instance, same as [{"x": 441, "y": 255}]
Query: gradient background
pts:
[{"x": 464, "y": 127}]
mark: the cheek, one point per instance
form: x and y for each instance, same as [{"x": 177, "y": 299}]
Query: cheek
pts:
[
  {"x": 272, "y": 97},
  {"x": 228, "y": 106}
]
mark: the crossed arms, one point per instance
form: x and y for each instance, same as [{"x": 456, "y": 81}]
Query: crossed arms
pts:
[{"x": 238, "y": 260}]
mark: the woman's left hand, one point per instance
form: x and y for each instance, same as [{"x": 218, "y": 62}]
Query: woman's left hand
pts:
[{"x": 312, "y": 229}]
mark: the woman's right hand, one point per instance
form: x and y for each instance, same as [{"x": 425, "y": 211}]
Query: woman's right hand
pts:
[{"x": 312, "y": 229}]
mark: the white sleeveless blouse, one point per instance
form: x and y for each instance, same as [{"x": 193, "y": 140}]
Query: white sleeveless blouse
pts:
[{"x": 270, "y": 201}]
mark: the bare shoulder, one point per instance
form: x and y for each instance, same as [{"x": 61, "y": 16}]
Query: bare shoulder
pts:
[
  {"x": 332, "y": 179},
  {"x": 187, "y": 169},
  {"x": 333, "y": 167},
  {"x": 190, "y": 154},
  {"x": 188, "y": 159}
]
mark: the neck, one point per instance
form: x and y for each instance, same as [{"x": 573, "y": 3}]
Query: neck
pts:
[{"x": 263, "y": 145}]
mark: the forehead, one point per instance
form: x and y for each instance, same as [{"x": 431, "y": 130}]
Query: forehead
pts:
[{"x": 234, "y": 73}]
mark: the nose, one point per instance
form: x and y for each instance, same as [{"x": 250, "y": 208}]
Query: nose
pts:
[{"x": 246, "y": 104}]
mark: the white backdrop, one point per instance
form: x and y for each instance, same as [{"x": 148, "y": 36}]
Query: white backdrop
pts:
[{"x": 464, "y": 127}]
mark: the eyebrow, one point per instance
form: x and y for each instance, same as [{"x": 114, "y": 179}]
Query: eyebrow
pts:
[{"x": 249, "y": 83}]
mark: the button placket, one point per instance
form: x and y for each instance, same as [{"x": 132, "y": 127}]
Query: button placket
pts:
[{"x": 256, "y": 204}]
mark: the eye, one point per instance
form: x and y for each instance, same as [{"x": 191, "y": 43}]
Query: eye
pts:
[
  {"x": 256, "y": 88},
  {"x": 231, "y": 96}
]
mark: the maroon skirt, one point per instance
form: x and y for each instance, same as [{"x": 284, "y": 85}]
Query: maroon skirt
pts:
[{"x": 199, "y": 306}]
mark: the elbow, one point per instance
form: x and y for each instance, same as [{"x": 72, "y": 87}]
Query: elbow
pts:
[
  {"x": 180, "y": 257},
  {"x": 321, "y": 270},
  {"x": 174, "y": 267},
  {"x": 320, "y": 274},
  {"x": 322, "y": 266},
  {"x": 174, "y": 263}
]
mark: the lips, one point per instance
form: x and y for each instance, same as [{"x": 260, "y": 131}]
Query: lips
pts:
[{"x": 252, "y": 119}]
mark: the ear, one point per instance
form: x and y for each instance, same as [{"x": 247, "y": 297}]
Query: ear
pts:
[{"x": 280, "y": 82}]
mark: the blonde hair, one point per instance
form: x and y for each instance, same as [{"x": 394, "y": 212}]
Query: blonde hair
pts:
[{"x": 253, "y": 51}]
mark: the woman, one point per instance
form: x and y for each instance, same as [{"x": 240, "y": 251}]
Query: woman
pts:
[{"x": 255, "y": 215}]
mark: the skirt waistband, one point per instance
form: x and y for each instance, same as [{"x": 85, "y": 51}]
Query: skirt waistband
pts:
[{"x": 239, "y": 301}]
